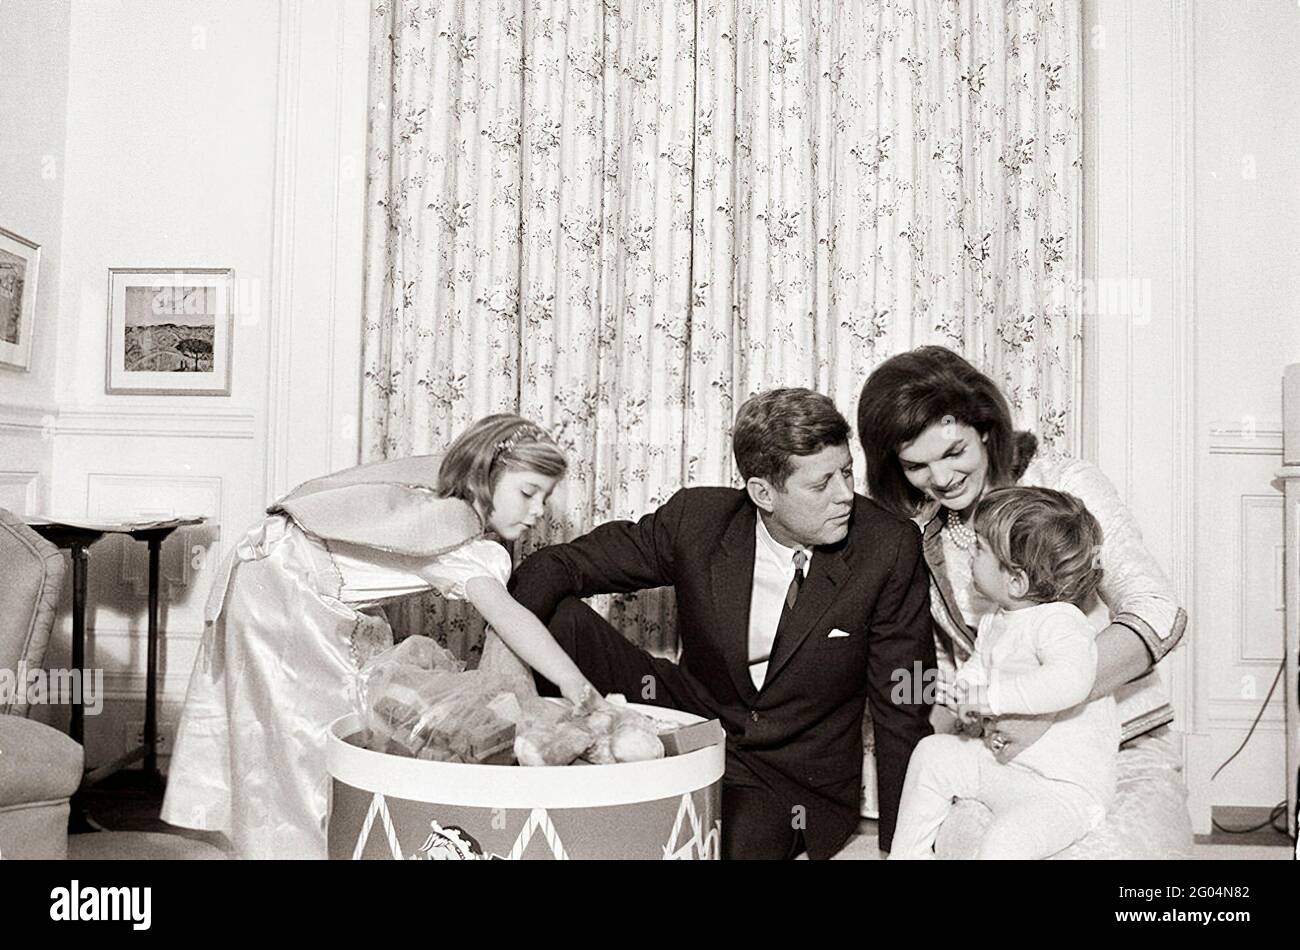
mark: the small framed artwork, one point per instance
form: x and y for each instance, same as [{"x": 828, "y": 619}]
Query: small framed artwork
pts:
[
  {"x": 169, "y": 331},
  {"x": 19, "y": 259}
]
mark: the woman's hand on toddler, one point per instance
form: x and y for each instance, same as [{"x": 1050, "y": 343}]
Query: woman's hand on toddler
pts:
[{"x": 1015, "y": 734}]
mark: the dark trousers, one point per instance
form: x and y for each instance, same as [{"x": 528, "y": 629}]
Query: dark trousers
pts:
[{"x": 755, "y": 823}]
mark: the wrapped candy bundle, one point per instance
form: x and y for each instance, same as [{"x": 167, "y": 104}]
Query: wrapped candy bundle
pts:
[
  {"x": 418, "y": 700},
  {"x": 423, "y": 653},
  {"x": 598, "y": 732}
]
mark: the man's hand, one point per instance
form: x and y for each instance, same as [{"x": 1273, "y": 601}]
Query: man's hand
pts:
[
  {"x": 971, "y": 700},
  {"x": 972, "y": 716},
  {"x": 1011, "y": 735}
]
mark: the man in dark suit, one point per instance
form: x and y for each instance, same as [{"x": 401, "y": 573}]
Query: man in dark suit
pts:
[{"x": 797, "y": 601}]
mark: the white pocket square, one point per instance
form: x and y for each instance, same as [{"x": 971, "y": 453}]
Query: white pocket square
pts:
[{"x": 837, "y": 632}]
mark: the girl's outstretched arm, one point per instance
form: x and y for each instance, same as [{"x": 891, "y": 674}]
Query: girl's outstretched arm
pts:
[{"x": 524, "y": 634}]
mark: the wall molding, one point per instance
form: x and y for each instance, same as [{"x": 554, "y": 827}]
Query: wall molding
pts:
[
  {"x": 29, "y": 418},
  {"x": 136, "y": 632},
  {"x": 119, "y": 494},
  {"x": 1228, "y": 438},
  {"x": 1183, "y": 476},
  {"x": 336, "y": 149},
  {"x": 28, "y": 483},
  {"x": 134, "y": 686},
  {"x": 1243, "y": 711},
  {"x": 318, "y": 226},
  {"x": 279, "y": 361},
  {"x": 129, "y": 421},
  {"x": 155, "y": 423},
  {"x": 1247, "y": 503}
]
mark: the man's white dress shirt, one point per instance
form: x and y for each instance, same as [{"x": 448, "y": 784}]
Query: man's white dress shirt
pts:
[{"x": 773, "y": 571}]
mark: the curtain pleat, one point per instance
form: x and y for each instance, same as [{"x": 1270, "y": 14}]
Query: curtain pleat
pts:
[{"x": 622, "y": 219}]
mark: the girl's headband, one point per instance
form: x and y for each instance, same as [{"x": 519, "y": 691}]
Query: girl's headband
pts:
[{"x": 527, "y": 432}]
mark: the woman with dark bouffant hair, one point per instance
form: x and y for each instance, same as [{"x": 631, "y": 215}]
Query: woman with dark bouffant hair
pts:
[
  {"x": 938, "y": 435},
  {"x": 927, "y": 388},
  {"x": 295, "y": 610}
]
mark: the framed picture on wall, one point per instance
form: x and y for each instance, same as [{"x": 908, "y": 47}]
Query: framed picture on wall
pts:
[
  {"x": 19, "y": 259},
  {"x": 169, "y": 331}
]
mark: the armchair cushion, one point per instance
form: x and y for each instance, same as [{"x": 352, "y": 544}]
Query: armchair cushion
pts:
[
  {"x": 29, "y": 597},
  {"x": 37, "y": 763}
]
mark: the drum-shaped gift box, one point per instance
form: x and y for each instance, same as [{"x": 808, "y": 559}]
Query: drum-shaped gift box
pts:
[{"x": 387, "y": 806}]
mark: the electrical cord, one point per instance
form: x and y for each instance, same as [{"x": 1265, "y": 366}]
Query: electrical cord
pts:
[{"x": 1280, "y": 808}]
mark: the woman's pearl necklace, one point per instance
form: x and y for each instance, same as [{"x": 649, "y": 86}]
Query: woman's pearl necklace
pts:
[{"x": 962, "y": 534}]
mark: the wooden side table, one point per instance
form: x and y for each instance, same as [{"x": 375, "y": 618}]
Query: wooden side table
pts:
[{"x": 76, "y": 538}]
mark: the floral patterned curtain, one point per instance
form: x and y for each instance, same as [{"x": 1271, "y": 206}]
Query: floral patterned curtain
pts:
[{"x": 623, "y": 218}]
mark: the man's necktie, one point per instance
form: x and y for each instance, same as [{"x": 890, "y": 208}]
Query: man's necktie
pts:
[{"x": 792, "y": 593}]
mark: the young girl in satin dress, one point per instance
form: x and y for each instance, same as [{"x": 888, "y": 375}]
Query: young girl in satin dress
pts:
[{"x": 292, "y": 615}]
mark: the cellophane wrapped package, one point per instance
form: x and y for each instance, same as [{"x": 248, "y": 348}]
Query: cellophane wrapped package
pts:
[
  {"x": 597, "y": 732},
  {"x": 418, "y": 700}
]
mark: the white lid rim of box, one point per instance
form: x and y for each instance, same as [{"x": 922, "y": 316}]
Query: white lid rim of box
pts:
[{"x": 515, "y": 786}]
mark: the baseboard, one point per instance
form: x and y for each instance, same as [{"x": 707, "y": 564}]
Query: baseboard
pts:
[{"x": 1240, "y": 825}]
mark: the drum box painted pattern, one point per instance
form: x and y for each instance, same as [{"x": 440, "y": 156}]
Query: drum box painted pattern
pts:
[{"x": 388, "y": 807}]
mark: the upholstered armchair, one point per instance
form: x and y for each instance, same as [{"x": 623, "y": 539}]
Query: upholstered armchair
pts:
[{"x": 40, "y": 767}]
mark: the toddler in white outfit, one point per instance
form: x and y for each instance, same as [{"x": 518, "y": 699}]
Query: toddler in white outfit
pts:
[{"x": 1034, "y": 656}]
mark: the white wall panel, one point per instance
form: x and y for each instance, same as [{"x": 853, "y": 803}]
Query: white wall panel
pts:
[
  {"x": 265, "y": 175},
  {"x": 1192, "y": 124}
]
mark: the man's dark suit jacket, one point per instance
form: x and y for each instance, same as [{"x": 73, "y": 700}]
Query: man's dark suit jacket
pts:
[{"x": 800, "y": 735}]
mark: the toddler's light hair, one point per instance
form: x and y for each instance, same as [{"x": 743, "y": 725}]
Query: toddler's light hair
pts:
[
  {"x": 495, "y": 444},
  {"x": 1048, "y": 534}
]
